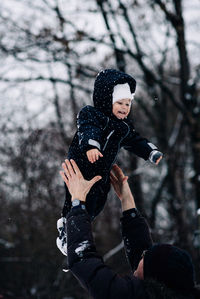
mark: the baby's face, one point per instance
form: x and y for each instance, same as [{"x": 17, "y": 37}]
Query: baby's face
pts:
[{"x": 121, "y": 108}]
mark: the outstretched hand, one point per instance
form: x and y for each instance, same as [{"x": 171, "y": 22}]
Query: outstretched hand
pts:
[
  {"x": 78, "y": 187},
  {"x": 121, "y": 187},
  {"x": 118, "y": 179}
]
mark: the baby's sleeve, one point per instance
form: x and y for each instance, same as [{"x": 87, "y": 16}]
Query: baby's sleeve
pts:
[
  {"x": 90, "y": 129},
  {"x": 138, "y": 145}
]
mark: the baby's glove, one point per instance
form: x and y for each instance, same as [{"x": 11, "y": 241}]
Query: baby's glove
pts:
[
  {"x": 61, "y": 241},
  {"x": 155, "y": 156}
]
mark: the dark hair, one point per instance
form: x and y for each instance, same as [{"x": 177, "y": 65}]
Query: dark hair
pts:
[
  {"x": 197, "y": 292},
  {"x": 170, "y": 265},
  {"x": 154, "y": 290}
]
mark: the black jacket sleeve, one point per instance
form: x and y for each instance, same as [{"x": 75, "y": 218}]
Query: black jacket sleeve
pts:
[
  {"x": 90, "y": 128},
  {"x": 137, "y": 144},
  {"x": 87, "y": 266},
  {"x": 136, "y": 236}
]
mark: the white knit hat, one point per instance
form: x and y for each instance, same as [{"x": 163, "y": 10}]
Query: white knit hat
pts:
[{"x": 122, "y": 91}]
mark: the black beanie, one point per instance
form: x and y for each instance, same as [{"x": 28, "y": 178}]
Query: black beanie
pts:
[{"x": 170, "y": 265}]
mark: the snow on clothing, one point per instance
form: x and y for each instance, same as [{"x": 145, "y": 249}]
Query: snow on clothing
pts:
[
  {"x": 99, "y": 128},
  {"x": 88, "y": 267},
  {"x": 97, "y": 278}
]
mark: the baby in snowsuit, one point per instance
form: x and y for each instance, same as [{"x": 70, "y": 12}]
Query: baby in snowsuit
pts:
[{"x": 102, "y": 131}]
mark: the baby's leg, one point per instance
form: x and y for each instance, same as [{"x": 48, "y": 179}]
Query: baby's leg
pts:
[
  {"x": 95, "y": 202},
  {"x": 67, "y": 204},
  {"x": 61, "y": 240},
  {"x": 96, "y": 199}
]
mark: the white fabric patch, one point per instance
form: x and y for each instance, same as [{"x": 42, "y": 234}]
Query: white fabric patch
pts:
[
  {"x": 82, "y": 246},
  {"x": 61, "y": 246},
  {"x": 122, "y": 91},
  {"x": 94, "y": 143},
  {"x": 152, "y": 145},
  {"x": 61, "y": 241}
]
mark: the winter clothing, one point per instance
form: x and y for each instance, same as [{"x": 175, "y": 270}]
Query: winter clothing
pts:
[
  {"x": 98, "y": 279},
  {"x": 99, "y": 128},
  {"x": 61, "y": 240},
  {"x": 88, "y": 267},
  {"x": 154, "y": 156},
  {"x": 122, "y": 91},
  {"x": 171, "y": 265}
]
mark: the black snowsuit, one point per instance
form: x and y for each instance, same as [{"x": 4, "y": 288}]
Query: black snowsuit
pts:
[
  {"x": 97, "y": 278},
  {"x": 99, "y": 128}
]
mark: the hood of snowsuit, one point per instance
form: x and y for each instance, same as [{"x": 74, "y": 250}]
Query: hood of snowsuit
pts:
[{"x": 104, "y": 85}]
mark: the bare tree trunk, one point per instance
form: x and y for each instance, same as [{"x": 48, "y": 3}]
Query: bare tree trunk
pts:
[
  {"x": 177, "y": 201},
  {"x": 195, "y": 140},
  {"x": 119, "y": 55}
]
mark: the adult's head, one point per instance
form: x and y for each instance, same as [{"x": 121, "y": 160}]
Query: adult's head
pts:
[{"x": 169, "y": 265}]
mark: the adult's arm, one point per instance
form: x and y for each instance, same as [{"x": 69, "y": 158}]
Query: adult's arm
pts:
[
  {"x": 83, "y": 260},
  {"x": 135, "y": 229},
  {"x": 136, "y": 236},
  {"x": 88, "y": 267}
]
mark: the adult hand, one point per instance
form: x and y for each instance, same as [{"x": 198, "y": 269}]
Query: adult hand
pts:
[
  {"x": 76, "y": 184},
  {"x": 93, "y": 155},
  {"x": 118, "y": 180},
  {"x": 121, "y": 187}
]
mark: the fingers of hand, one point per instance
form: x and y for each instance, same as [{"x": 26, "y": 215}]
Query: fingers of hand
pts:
[
  {"x": 125, "y": 179},
  {"x": 96, "y": 156},
  {"x": 75, "y": 167},
  {"x": 70, "y": 168},
  {"x": 118, "y": 172},
  {"x": 66, "y": 171},
  {"x": 89, "y": 158},
  {"x": 64, "y": 177},
  {"x": 113, "y": 177},
  {"x": 95, "y": 179},
  {"x": 100, "y": 154},
  {"x": 93, "y": 155}
]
